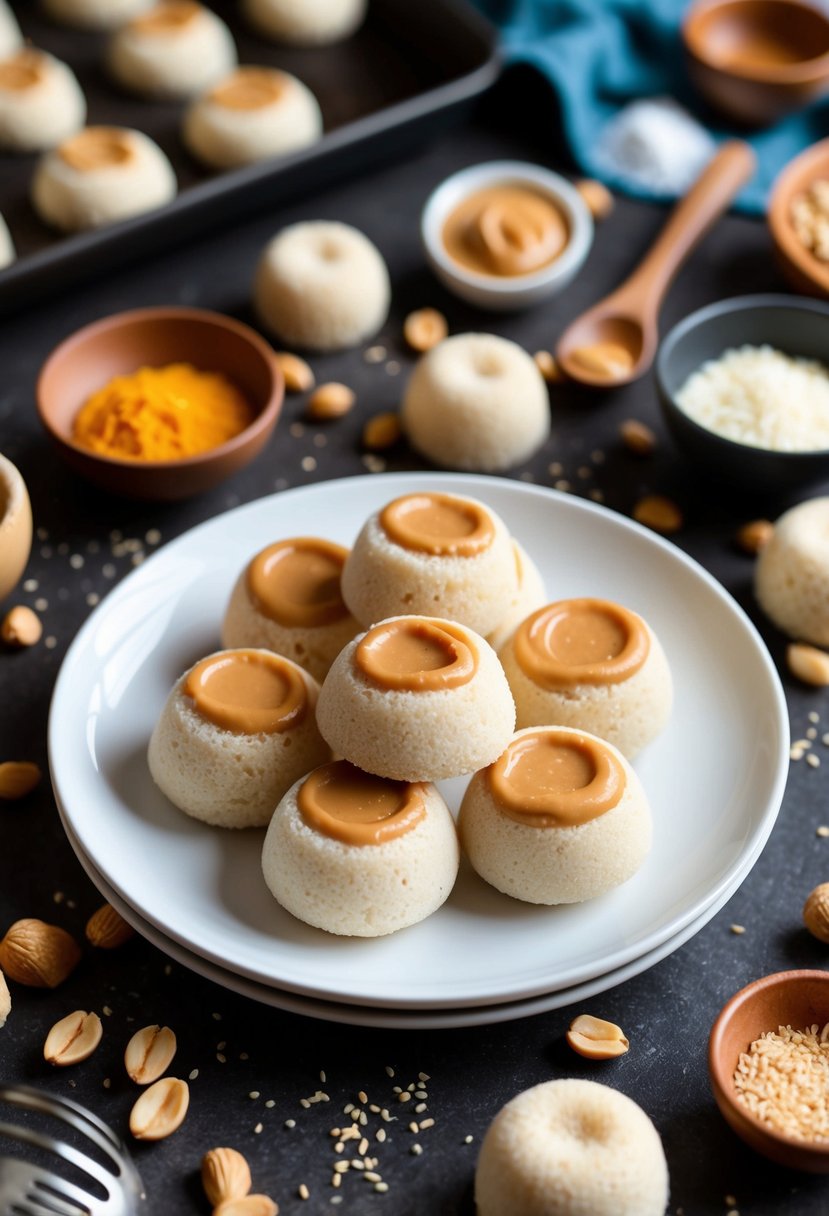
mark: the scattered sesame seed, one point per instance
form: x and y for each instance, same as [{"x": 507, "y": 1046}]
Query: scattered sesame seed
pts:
[
  {"x": 467, "y": 1139},
  {"x": 814, "y": 716},
  {"x": 107, "y": 1082},
  {"x": 362, "y": 1148},
  {"x": 221, "y": 1057},
  {"x": 304, "y": 1102},
  {"x": 380, "y": 1134},
  {"x": 217, "y": 1017},
  {"x": 348, "y": 1108},
  {"x": 257, "y": 1129},
  {"x": 193, "y": 1074},
  {"x": 813, "y": 761},
  {"x": 322, "y": 1076},
  {"x": 303, "y": 1191},
  {"x": 381, "y": 1187},
  {"x": 46, "y": 551},
  {"x": 335, "y": 1180},
  {"x": 342, "y": 1167},
  {"x": 254, "y": 1094},
  {"x": 243, "y": 1055},
  {"x": 374, "y": 1108},
  {"x": 338, "y": 1148},
  {"x": 168, "y": 969},
  {"x": 309, "y": 463},
  {"x": 362, "y": 1097},
  {"x": 393, "y": 367},
  {"x": 42, "y": 534},
  {"x": 424, "y": 1123},
  {"x": 297, "y": 430},
  {"x": 420, "y": 1108},
  {"x": 50, "y": 642},
  {"x": 375, "y": 354},
  {"x": 290, "y": 1122},
  {"x": 795, "y": 753},
  {"x": 387, "y": 1118},
  {"x": 413, "y": 1127},
  {"x": 823, "y": 830},
  {"x": 58, "y": 897},
  {"x": 107, "y": 1011},
  {"x": 221, "y": 1046},
  {"x": 389, "y": 1070},
  {"x": 372, "y": 1176},
  {"x": 811, "y": 733},
  {"x": 41, "y": 604},
  {"x": 336, "y": 1199},
  {"x": 730, "y": 1201},
  {"x": 108, "y": 570},
  {"x": 421, "y": 1093},
  {"x": 30, "y": 584},
  {"x": 76, "y": 561},
  {"x": 404, "y": 1097},
  {"x": 270, "y": 1103},
  {"x": 563, "y": 485},
  {"x": 92, "y": 599},
  {"x": 417, "y": 1149},
  {"x": 738, "y": 929},
  {"x": 70, "y": 903}
]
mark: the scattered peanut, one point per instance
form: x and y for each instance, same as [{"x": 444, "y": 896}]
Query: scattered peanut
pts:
[
  {"x": 816, "y": 913},
  {"x": 548, "y": 367},
  {"x": 73, "y": 1038},
  {"x": 107, "y": 929},
  {"x": 250, "y": 1205},
  {"x": 296, "y": 373},
  {"x": 597, "y": 197},
  {"x": 37, "y": 954},
  {"x": 808, "y": 663},
  {"x": 225, "y": 1174},
  {"x": 21, "y": 627},
  {"x": 424, "y": 328},
  {"x": 596, "y": 1039},
  {"x": 658, "y": 513},
  {"x": 5, "y": 1000},
  {"x": 18, "y": 778},
  {"x": 160, "y": 1110},
  {"x": 751, "y": 537},
  {"x": 637, "y": 437},
  {"x": 149, "y": 1053},
  {"x": 329, "y": 401},
  {"x": 382, "y": 431}
]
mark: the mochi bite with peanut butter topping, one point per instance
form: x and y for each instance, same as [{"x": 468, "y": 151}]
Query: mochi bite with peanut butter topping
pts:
[
  {"x": 41, "y": 102},
  {"x": 560, "y": 817},
  {"x": 176, "y": 49},
  {"x": 360, "y": 855},
  {"x": 593, "y": 665},
  {"x": 288, "y": 600},
  {"x": 417, "y": 699},
  {"x": 432, "y": 554},
  {"x": 236, "y": 732}
]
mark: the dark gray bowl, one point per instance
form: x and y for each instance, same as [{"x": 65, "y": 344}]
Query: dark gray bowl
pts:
[{"x": 793, "y": 325}]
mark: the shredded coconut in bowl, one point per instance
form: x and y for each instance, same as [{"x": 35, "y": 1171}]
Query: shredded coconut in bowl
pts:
[
  {"x": 759, "y": 396},
  {"x": 654, "y": 145}
]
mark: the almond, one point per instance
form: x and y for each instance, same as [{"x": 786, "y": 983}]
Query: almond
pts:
[
  {"x": 659, "y": 513},
  {"x": 329, "y": 401},
  {"x": 106, "y": 929},
  {"x": 225, "y": 1174},
  {"x": 21, "y": 627},
  {"x": 37, "y": 954},
  {"x": 755, "y": 535},
  {"x": 550, "y": 370},
  {"x": 596, "y": 1039},
  {"x": 5, "y": 1000},
  {"x": 73, "y": 1038},
  {"x": 382, "y": 431},
  {"x": 296, "y": 373},
  {"x": 160, "y": 1110},
  {"x": 424, "y": 328},
  {"x": 597, "y": 197},
  {"x": 250, "y": 1205},
  {"x": 806, "y": 662},
  {"x": 637, "y": 437},
  {"x": 149, "y": 1053},
  {"x": 18, "y": 778}
]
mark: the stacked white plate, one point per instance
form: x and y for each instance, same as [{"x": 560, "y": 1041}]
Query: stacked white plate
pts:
[{"x": 715, "y": 778}]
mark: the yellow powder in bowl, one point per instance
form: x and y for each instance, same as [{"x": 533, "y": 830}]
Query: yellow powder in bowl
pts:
[{"x": 162, "y": 413}]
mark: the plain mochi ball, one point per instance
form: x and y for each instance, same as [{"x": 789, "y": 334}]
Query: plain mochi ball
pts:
[
  {"x": 792, "y": 573},
  {"x": 476, "y": 401},
  {"x": 571, "y": 1148},
  {"x": 322, "y": 285},
  {"x": 307, "y": 22}
]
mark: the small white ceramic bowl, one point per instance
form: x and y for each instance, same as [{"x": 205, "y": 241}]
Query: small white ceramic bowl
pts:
[{"x": 493, "y": 292}]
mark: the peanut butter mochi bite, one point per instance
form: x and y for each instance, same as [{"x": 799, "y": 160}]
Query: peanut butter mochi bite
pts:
[
  {"x": 593, "y": 665},
  {"x": 530, "y": 593},
  {"x": 176, "y": 49},
  {"x": 237, "y": 731},
  {"x": 41, "y": 102},
  {"x": 288, "y": 600},
  {"x": 360, "y": 855},
  {"x": 416, "y": 699},
  {"x": 792, "y": 573},
  {"x": 432, "y": 555},
  {"x": 560, "y": 817}
]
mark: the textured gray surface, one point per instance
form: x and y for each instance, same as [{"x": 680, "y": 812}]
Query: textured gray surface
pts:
[{"x": 666, "y": 1013}]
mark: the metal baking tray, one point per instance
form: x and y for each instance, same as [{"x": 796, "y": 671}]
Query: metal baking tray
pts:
[{"x": 381, "y": 91}]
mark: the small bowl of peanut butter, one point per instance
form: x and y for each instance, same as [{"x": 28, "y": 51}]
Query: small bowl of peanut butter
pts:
[{"x": 506, "y": 234}]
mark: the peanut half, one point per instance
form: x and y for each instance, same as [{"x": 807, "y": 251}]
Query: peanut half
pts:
[
  {"x": 296, "y": 373},
  {"x": 21, "y": 627},
  {"x": 382, "y": 431},
  {"x": 73, "y": 1038},
  {"x": 808, "y": 663},
  {"x": 107, "y": 929},
  {"x": 149, "y": 1053},
  {"x": 160, "y": 1110},
  {"x": 37, "y": 954},
  {"x": 637, "y": 437},
  {"x": 597, "y": 197},
  {"x": 225, "y": 1174},
  {"x": 753, "y": 536},
  {"x": 249, "y": 1205},
  {"x": 550, "y": 370},
  {"x": 18, "y": 778},
  {"x": 5, "y": 1000},
  {"x": 816, "y": 913},
  {"x": 659, "y": 513},
  {"x": 329, "y": 401},
  {"x": 424, "y": 328},
  {"x": 595, "y": 1039}
]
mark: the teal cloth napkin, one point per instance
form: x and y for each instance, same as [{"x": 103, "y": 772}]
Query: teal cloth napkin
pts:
[{"x": 601, "y": 54}]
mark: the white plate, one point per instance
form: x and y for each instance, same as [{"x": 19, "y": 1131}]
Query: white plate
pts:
[
  {"x": 388, "y": 1018},
  {"x": 715, "y": 778}
]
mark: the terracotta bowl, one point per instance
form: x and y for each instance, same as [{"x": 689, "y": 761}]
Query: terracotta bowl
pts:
[
  {"x": 756, "y": 60},
  {"x": 800, "y": 266},
  {"x": 788, "y": 998},
  {"x": 155, "y": 337}
]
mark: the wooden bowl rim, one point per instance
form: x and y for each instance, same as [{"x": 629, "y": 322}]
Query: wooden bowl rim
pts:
[
  {"x": 795, "y": 177},
  {"x": 804, "y": 71}
]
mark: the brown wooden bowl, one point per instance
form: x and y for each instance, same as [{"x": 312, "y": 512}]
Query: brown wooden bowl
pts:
[
  {"x": 800, "y": 266},
  {"x": 787, "y": 998},
  {"x": 756, "y": 60},
  {"x": 154, "y": 337}
]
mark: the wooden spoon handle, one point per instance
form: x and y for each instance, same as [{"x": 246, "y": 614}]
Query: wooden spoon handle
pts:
[{"x": 705, "y": 202}]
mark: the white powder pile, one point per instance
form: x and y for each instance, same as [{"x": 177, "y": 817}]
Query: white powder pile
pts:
[
  {"x": 758, "y": 396},
  {"x": 655, "y": 145}
]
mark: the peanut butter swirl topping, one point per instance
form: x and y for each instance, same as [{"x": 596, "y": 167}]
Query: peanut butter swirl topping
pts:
[
  {"x": 97, "y": 148},
  {"x": 581, "y": 641},
  {"x": 505, "y": 230},
  {"x": 248, "y": 692},
  {"x": 556, "y": 779},
  {"x": 297, "y": 582},
  {"x": 167, "y": 17},
  {"x": 22, "y": 71},
  {"x": 249, "y": 89},
  {"x": 438, "y": 524},
  {"x": 417, "y": 654},
  {"x": 358, "y": 808}
]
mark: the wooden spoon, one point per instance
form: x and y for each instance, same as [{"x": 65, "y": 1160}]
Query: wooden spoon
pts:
[{"x": 615, "y": 341}]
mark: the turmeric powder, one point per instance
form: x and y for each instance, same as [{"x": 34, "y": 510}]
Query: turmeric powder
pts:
[{"x": 162, "y": 413}]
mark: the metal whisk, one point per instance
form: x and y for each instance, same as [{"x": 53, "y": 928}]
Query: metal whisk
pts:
[{"x": 27, "y": 1189}]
